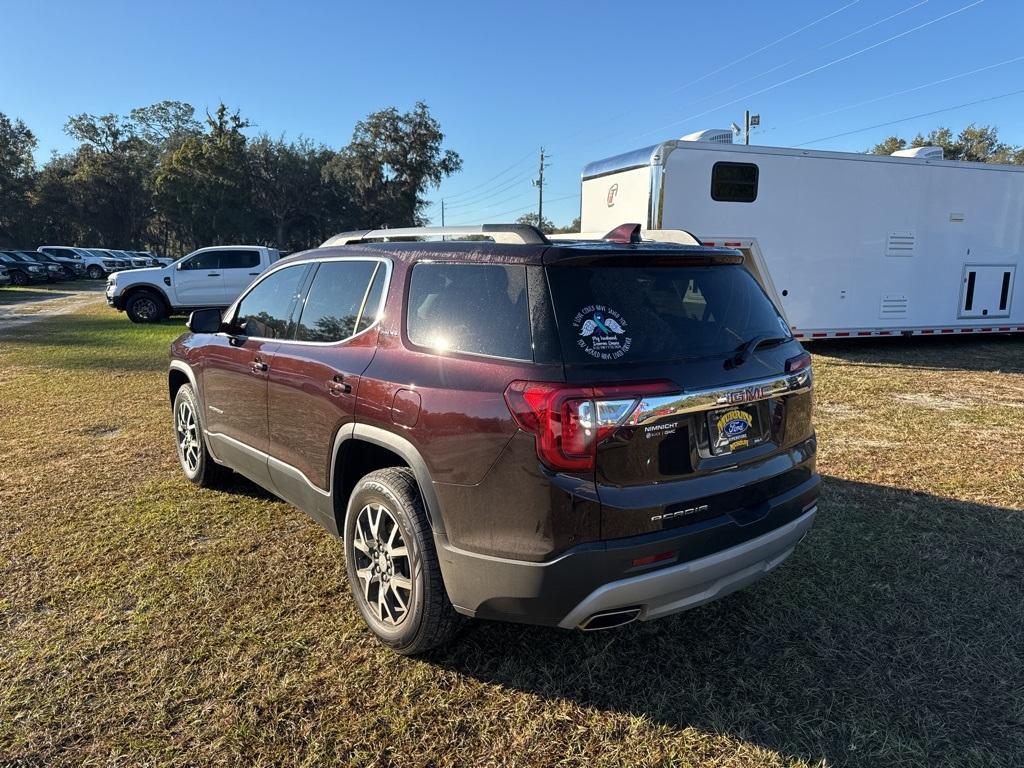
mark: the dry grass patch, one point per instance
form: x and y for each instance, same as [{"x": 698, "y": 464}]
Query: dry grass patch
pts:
[{"x": 145, "y": 622}]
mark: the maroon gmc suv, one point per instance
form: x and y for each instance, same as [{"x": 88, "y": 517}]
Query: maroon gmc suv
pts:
[{"x": 571, "y": 433}]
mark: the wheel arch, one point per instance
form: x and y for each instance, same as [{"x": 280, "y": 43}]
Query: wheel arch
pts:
[
  {"x": 363, "y": 449},
  {"x": 178, "y": 374},
  {"x": 131, "y": 290}
]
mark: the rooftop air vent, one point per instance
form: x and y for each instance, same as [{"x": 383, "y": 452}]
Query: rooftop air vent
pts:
[
  {"x": 924, "y": 153},
  {"x": 714, "y": 135}
]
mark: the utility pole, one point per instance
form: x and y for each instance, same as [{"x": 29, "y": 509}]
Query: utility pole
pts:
[
  {"x": 539, "y": 184},
  {"x": 749, "y": 121},
  {"x": 442, "y": 211}
]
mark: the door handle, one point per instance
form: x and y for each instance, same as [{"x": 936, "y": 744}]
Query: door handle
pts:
[
  {"x": 258, "y": 366},
  {"x": 338, "y": 386},
  {"x": 253, "y": 273},
  {"x": 213, "y": 274}
]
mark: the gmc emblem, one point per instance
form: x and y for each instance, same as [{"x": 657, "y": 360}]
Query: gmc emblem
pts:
[
  {"x": 746, "y": 395},
  {"x": 613, "y": 190}
]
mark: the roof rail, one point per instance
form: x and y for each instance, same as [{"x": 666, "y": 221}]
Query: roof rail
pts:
[
  {"x": 522, "y": 234},
  {"x": 680, "y": 236}
]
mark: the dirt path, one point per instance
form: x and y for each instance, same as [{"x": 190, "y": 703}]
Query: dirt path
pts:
[{"x": 46, "y": 302}]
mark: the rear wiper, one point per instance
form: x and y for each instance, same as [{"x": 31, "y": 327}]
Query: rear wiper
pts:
[{"x": 748, "y": 347}]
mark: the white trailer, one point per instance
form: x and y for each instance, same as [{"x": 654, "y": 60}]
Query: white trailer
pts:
[{"x": 845, "y": 244}]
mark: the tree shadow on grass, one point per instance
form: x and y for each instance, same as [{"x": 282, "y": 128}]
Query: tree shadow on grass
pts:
[
  {"x": 965, "y": 353},
  {"x": 13, "y": 298},
  {"x": 110, "y": 344},
  {"x": 893, "y": 636}
]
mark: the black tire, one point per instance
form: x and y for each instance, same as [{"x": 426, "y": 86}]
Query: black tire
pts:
[
  {"x": 94, "y": 272},
  {"x": 19, "y": 278},
  {"x": 195, "y": 460},
  {"x": 429, "y": 619},
  {"x": 145, "y": 307}
]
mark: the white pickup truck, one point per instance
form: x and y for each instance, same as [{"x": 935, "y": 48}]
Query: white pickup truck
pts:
[{"x": 209, "y": 277}]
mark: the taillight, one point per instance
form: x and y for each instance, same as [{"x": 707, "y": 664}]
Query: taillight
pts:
[
  {"x": 570, "y": 422},
  {"x": 798, "y": 363}
]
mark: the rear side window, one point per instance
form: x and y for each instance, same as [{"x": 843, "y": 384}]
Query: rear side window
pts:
[
  {"x": 734, "y": 182},
  {"x": 266, "y": 310},
  {"x": 239, "y": 259},
  {"x": 336, "y": 300},
  {"x": 206, "y": 260},
  {"x": 655, "y": 314},
  {"x": 481, "y": 309}
]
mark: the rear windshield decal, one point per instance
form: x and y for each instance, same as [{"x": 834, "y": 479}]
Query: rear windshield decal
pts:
[{"x": 601, "y": 332}]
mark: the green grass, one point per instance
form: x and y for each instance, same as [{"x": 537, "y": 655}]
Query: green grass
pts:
[{"x": 143, "y": 621}]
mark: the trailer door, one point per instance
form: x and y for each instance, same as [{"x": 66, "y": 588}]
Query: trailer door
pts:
[{"x": 986, "y": 290}]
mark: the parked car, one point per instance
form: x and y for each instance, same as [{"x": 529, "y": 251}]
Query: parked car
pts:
[
  {"x": 23, "y": 273},
  {"x": 57, "y": 270},
  {"x": 5, "y": 275},
  {"x": 93, "y": 265},
  {"x": 154, "y": 261},
  {"x": 118, "y": 262},
  {"x": 134, "y": 260},
  {"x": 52, "y": 272},
  {"x": 209, "y": 277},
  {"x": 575, "y": 435}
]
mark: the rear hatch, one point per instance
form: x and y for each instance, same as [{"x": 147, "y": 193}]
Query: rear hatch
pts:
[{"x": 692, "y": 395}]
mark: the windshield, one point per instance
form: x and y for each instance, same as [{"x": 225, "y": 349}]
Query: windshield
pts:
[{"x": 653, "y": 314}]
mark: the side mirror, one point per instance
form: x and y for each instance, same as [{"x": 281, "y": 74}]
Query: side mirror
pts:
[{"x": 204, "y": 321}]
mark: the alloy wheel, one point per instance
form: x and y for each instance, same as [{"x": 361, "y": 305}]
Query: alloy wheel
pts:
[
  {"x": 189, "y": 446},
  {"x": 145, "y": 308},
  {"x": 382, "y": 564}
]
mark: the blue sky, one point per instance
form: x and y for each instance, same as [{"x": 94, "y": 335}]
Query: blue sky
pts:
[{"x": 584, "y": 79}]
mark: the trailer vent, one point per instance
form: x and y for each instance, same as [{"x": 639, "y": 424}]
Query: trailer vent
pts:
[
  {"x": 900, "y": 244},
  {"x": 714, "y": 135},
  {"x": 922, "y": 153},
  {"x": 893, "y": 306}
]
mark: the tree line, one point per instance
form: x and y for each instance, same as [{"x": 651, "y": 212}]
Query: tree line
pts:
[
  {"x": 976, "y": 143},
  {"x": 159, "y": 178}
]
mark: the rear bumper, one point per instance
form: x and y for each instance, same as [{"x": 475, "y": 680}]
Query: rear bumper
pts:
[
  {"x": 687, "y": 585},
  {"x": 601, "y": 576}
]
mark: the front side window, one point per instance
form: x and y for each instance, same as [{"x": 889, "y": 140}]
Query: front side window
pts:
[
  {"x": 205, "y": 260},
  {"x": 734, "y": 182},
  {"x": 337, "y": 299},
  {"x": 481, "y": 309},
  {"x": 266, "y": 310},
  {"x": 239, "y": 259}
]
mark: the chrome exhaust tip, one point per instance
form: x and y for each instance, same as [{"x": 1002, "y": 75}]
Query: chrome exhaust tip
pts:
[{"x": 610, "y": 619}]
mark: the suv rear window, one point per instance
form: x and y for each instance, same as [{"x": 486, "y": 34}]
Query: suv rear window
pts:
[
  {"x": 652, "y": 314},
  {"x": 476, "y": 308}
]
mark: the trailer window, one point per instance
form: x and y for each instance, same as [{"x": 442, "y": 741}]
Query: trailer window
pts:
[{"x": 734, "y": 182}]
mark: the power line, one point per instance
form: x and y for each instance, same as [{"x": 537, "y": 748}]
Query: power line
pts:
[
  {"x": 503, "y": 187},
  {"x": 903, "y": 92},
  {"x": 522, "y": 209},
  {"x": 871, "y": 26},
  {"x": 912, "y": 117},
  {"x": 812, "y": 71},
  {"x": 732, "y": 63},
  {"x": 503, "y": 201},
  {"x": 516, "y": 164},
  {"x": 797, "y": 58},
  {"x": 768, "y": 71},
  {"x": 763, "y": 48}
]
